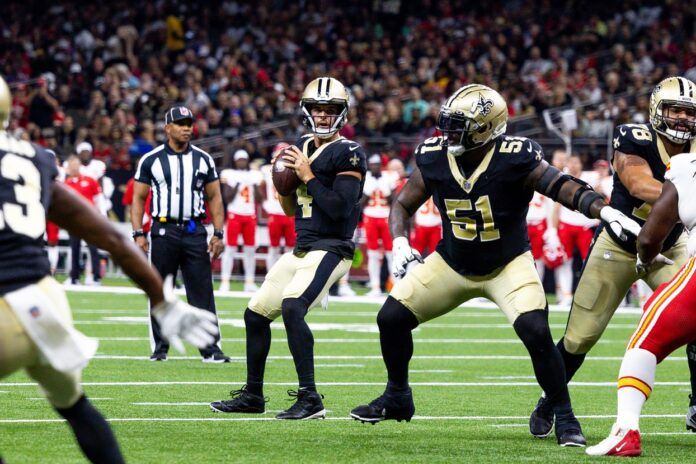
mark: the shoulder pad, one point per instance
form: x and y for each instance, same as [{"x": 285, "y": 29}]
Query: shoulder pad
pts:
[
  {"x": 429, "y": 145},
  {"x": 681, "y": 168},
  {"x": 628, "y": 135}
]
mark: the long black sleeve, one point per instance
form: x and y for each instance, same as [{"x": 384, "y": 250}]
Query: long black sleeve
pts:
[{"x": 338, "y": 201}]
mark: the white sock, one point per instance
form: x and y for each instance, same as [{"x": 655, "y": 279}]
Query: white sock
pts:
[
  {"x": 53, "y": 258},
  {"x": 564, "y": 280},
  {"x": 249, "y": 264},
  {"x": 226, "y": 265},
  {"x": 636, "y": 380},
  {"x": 374, "y": 265},
  {"x": 344, "y": 280},
  {"x": 540, "y": 267},
  {"x": 272, "y": 257}
]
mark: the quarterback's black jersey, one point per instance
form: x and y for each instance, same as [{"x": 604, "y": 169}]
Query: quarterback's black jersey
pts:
[
  {"x": 26, "y": 176},
  {"x": 639, "y": 140},
  {"x": 315, "y": 229},
  {"x": 483, "y": 216}
]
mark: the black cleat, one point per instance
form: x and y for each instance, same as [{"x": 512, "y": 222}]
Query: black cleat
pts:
[
  {"x": 569, "y": 432},
  {"x": 691, "y": 414},
  {"x": 216, "y": 358},
  {"x": 390, "y": 406},
  {"x": 242, "y": 401},
  {"x": 307, "y": 406},
  {"x": 541, "y": 420},
  {"x": 158, "y": 356}
]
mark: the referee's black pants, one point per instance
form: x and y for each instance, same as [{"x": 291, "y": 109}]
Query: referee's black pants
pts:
[{"x": 173, "y": 247}]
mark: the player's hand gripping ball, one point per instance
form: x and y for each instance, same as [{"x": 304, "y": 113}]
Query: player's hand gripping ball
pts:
[{"x": 285, "y": 179}]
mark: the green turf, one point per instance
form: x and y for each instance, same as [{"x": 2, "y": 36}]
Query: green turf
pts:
[{"x": 464, "y": 423}]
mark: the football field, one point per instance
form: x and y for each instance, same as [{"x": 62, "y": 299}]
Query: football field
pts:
[{"x": 472, "y": 381}]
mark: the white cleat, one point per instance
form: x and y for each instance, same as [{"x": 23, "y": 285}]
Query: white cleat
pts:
[
  {"x": 375, "y": 292},
  {"x": 621, "y": 442},
  {"x": 250, "y": 287},
  {"x": 345, "y": 290},
  {"x": 224, "y": 286}
]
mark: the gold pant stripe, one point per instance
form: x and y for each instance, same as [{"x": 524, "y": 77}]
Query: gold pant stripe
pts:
[
  {"x": 635, "y": 382},
  {"x": 660, "y": 302}
]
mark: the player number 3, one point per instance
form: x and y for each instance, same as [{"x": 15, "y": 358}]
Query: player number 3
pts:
[{"x": 27, "y": 197}]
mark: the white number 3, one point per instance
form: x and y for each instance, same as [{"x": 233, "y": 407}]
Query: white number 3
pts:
[{"x": 27, "y": 216}]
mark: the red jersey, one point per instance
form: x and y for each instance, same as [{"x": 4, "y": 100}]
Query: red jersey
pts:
[
  {"x": 87, "y": 187},
  {"x": 127, "y": 200}
]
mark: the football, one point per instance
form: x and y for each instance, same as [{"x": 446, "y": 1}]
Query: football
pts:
[{"x": 284, "y": 179}]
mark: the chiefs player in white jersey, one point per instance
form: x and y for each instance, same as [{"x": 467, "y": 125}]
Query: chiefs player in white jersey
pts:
[
  {"x": 377, "y": 196},
  {"x": 279, "y": 225},
  {"x": 538, "y": 215},
  {"x": 669, "y": 316},
  {"x": 428, "y": 228},
  {"x": 574, "y": 231},
  {"x": 241, "y": 188}
]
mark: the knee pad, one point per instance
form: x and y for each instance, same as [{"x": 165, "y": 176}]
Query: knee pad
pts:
[
  {"x": 576, "y": 344},
  {"x": 293, "y": 309},
  {"x": 533, "y": 328},
  {"x": 255, "y": 320},
  {"x": 395, "y": 314}
]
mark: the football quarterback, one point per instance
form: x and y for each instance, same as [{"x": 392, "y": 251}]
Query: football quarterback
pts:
[
  {"x": 326, "y": 208},
  {"x": 641, "y": 155},
  {"x": 481, "y": 181}
]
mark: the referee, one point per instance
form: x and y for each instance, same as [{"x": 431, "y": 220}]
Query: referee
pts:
[{"x": 182, "y": 177}]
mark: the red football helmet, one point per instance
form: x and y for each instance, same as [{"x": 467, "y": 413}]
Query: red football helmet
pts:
[{"x": 553, "y": 256}]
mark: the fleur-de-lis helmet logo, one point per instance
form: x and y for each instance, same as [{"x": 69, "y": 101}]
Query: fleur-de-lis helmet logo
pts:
[{"x": 483, "y": 106}]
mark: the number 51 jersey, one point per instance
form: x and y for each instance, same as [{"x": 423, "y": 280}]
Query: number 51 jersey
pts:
[
  {"x": 483, "y": 216},
  {"x": 26, "y": 175}
]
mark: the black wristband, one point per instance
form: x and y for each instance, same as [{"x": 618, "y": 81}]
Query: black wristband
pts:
[
  {"x": 219, "y": 233},
  {"x": 139, "y": 233}
]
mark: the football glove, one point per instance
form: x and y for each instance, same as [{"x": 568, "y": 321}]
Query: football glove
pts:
[
  {"x": 179, "y": 320},
  {"x": 643, "y": 268},
  {"x": 402, "y": 254},
  {"x": 619, "y": 222}
]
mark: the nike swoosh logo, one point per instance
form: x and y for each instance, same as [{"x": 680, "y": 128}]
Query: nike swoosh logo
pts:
[
  {"x": 353, "y": 148},
  {"x": 623, "y": 132},
  {"x": 619, "y": 448}
]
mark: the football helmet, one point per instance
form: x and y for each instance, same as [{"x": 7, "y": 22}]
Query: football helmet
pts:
[
  {"x": 325, "y": 91},
  {"x": 5, "y": 104},
  {"x": 473, "y": 116},
  {"x": 674, "y": 92}
]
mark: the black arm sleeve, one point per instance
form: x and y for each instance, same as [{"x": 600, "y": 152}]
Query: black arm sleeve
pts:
[{"x": 339, "y": 200}]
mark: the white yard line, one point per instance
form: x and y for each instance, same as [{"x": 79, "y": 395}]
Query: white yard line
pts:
[
  {"x": 475, "y": 341},
  {"x": 611, "y": 384}
]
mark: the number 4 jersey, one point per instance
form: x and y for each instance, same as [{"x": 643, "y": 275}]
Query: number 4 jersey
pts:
[
  {"x": 26, "y": 177},
  {"x": 483, "y": 215},
  {"x": 640, "y": 140}
]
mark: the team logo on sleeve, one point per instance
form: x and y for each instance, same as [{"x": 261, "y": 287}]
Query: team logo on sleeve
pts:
[{"x": 354, "y": 160}]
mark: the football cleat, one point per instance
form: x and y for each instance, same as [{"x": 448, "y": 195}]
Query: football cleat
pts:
[
  {"x": 620, "y": 442},
  {"x": 568, "y": 431},
  {"x": 691, "y": 418},
  {"x": 307, "y": 406},
  {"x": 389, "y": 406},
  {"x": 541, "y": 419},
  {"x": 242, "y": 401},
  {"x": 158, "y": 356},
  {"x": 216, "y": 358}
]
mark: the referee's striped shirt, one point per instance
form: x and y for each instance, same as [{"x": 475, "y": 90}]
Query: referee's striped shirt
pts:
[{"x": 177, "y": 181}]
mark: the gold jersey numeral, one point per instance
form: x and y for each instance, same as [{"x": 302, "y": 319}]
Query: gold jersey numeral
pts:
[
  {"x": 465, "y": 228},
  {"x": 642, "y": 211},
  {"x": 305, "y": 201}
]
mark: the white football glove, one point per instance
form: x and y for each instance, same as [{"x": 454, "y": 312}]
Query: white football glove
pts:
[
  {"x": 402, "y": 254},
  {"x": 619, "y": 222},
  {"x": 643, "y": 268},
  {"x": 551, "y": 237},
  {"x": 179, "y": 320}
]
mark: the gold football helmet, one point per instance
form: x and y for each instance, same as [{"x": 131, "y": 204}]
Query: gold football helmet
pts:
[
  {"x": 325, "y": 91},
  {"x": 5, "y": 104},
  {"x": 674, "y": 93},
  {"x": 473, "y": 116}
]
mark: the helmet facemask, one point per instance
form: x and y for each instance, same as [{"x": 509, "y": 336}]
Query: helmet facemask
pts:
[
  {"x": 462, "y": 134},
  {"x": 336, "y": 121},
  {"x": 677, "y": 129}
]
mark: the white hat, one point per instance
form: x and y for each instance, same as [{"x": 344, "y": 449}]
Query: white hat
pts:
[
  {"x": 241, "y": 154},
  {"x": 82, "y": 146},
  {"x": 375, "y": 159}
]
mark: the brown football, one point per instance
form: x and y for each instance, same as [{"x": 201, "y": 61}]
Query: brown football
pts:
[{"x": 284, "y": 179}]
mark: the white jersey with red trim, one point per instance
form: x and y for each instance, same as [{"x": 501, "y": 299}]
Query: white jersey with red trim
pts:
[
  {"x": 428, "y": 215},
  {"x": 378, "y": 190},
  {"x": 575, "y": 218},
  {"x": 681, "y": 171},
  {"x": 272, "y": 203},
  {"x": 244, "y": 202},
  {"x": 539, "y": 209}
]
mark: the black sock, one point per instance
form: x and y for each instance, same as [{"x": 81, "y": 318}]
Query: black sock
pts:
[
  {"x": 572, "y": 361},
  {"x": 258, "y": 344},
  {"x": 691, "y": 360},
  {"x": 533, "y": 330},
  {"x": 300, "y": 341},
  {"x": 395, "y": 323},
  {"x": 92, "y": 432}
]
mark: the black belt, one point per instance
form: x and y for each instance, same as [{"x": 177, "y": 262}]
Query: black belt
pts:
[{"x": 176, "y": 222}]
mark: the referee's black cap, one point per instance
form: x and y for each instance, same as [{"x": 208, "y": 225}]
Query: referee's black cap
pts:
[{"x": 178, "y": 113}]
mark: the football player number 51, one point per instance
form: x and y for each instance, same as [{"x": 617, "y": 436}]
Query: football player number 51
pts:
[
  {"x": 465, "y": 227},
  {"x": 27, "y": 216}
]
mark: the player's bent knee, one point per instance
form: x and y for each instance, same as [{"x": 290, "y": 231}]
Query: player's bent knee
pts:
[
  {"x": 254, "y": 319},
  {"x": 578, "y": 344},
  {"x": 293, "y": 309},
  {"x": 533, "y": 328},
  {"x": 395, "y": 314}
]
